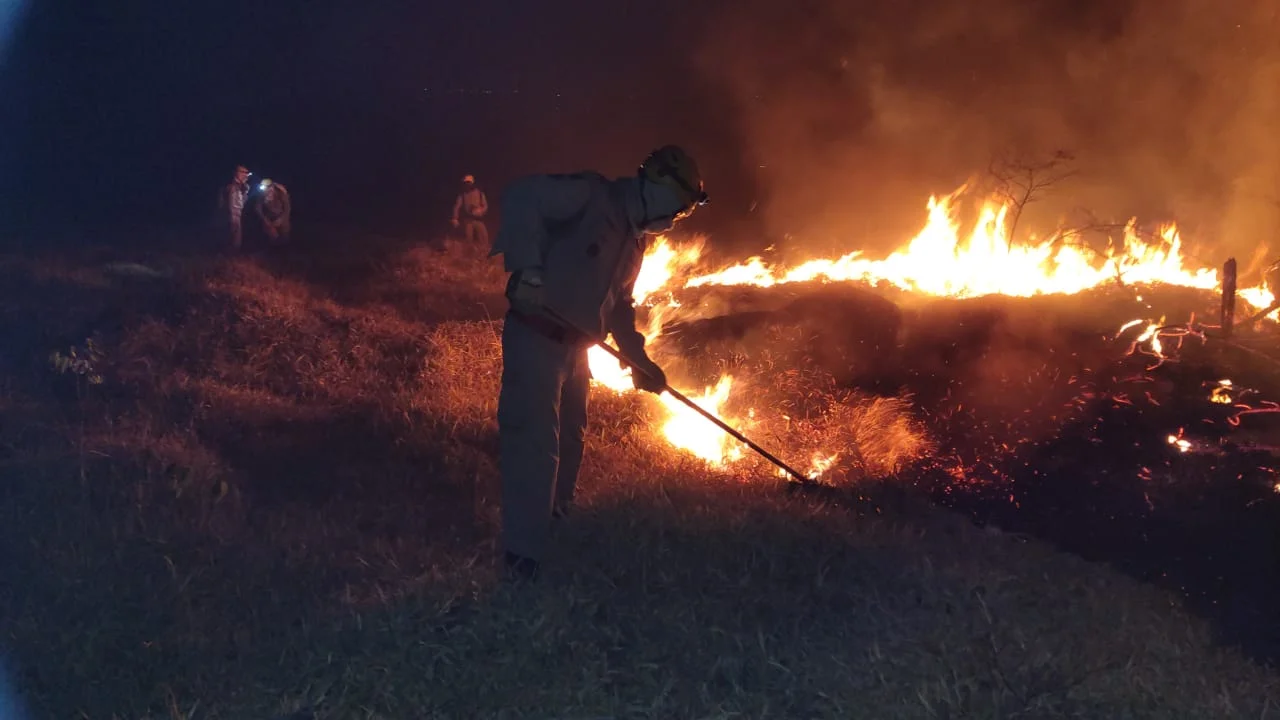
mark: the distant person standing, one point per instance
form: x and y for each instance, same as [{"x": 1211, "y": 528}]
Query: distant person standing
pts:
[
  {"x": 231, "y": 202},
  {"x": 275, "y": 212},
  {"x": 469, "y": 211}
]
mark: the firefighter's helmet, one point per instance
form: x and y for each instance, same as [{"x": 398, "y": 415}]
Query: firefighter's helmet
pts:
[{"x": 671, "y": 165}]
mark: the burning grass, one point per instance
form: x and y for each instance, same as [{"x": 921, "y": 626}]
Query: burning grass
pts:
[
  {"x": 288, "y": 503},
  {"x": 782, "y": 398}
]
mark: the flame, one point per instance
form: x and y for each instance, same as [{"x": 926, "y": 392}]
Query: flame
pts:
[
  {"x": 607, "y": 371},
  {"x": 683, "y": 427},
  {"x": 1261, "y": 298},
  {"x": 661, "y": 263},
  {"x": 820, "y": 464},
  {"x": 1178, "y": 442},
  {"x": 1150, "y": 335},
  {"x": 941, "y": 260},
  {"x": 690, "y": 431},
  {"x": 1221, "y": 394}
]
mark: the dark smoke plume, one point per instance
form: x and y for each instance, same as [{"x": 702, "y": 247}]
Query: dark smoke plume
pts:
[{"x": 854, "y": 112}]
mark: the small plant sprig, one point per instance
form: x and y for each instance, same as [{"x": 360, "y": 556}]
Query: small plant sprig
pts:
[
  {"x": 83, "y": 363},
  {"x": 80, "y": 362}
]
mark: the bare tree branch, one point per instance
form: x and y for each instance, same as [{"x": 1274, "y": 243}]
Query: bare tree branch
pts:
[{"x": 1019, "y": 181}]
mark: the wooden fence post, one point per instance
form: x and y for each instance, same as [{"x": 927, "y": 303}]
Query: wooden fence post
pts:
[{"x": 1228, "y": 317}]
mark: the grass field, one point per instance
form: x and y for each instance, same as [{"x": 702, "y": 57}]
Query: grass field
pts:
[{"x": 273, "y": 493}]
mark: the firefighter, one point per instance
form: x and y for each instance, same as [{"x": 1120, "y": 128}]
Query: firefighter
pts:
[
  {"x": 231, "y": 201},
  {"x": 573, "y": 245},
  {"x": 275, "y": 211},
  {"x": 469, "y": 210}
]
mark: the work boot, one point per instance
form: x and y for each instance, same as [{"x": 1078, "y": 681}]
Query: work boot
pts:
[{"x": 520, "y": 568}]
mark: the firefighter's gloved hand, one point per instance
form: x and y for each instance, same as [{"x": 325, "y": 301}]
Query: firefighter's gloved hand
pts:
[
  {"x": 647, "y": 376},
  {"x": 454, "y": 222},
  {"x": 526, "y": 293}
]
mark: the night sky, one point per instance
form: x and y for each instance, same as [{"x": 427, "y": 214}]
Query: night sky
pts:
[
  {"x": 830, "y": 121},
  {"x": 133, "y": 113}
]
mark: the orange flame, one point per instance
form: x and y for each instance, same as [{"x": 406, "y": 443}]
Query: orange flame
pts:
[
  {"x": 689, "y": 431},
  {"x": 1180, "y": 443},
  {"x": 940, "y": 261},
  {"x": 1260, "y": 298},
  {"x": 818, "y": 465},
  {"x": 682, "y": 427}
]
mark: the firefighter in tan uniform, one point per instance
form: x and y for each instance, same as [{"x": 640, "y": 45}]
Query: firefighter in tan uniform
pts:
[
  {"x": 231, "y": 201},
  {"x": 469, "y": 210},
  {"x": 275, "y": 211},
  {"x": 573, "y": 245}
]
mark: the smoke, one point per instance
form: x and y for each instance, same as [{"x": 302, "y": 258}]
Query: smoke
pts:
[{"x": 853, "y": 113}]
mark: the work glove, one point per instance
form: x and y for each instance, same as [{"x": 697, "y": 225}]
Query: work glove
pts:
[
  {"x": 454, "y": 222},
  {"x": 525, "y": 292},
  {"x": 647, "y": 376}
]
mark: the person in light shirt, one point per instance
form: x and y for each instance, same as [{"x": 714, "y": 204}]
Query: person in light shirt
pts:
[
  {"x": 231, "y": 202},
  {"x": 573, "y": 245},
  {"x": 469, "y": 210}
]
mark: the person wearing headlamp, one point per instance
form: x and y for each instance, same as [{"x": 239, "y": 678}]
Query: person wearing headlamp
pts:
[
  {"x": 275, "y": 211},
  {"x": 573, "y": 245}
]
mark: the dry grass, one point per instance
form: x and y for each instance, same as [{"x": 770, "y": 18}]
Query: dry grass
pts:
[
  {"x": 289, "y": 505},
  {"x": 782, "y": 398}
]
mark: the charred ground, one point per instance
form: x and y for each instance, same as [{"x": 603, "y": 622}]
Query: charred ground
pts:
[
  {"x": 1047, "y": 424},
  {"x": 281, "y": 497}
]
